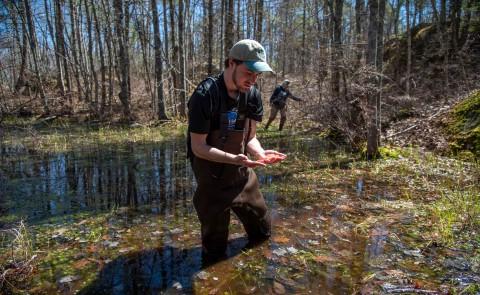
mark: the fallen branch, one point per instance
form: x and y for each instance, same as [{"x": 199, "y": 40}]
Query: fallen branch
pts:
[{"x": 411, "y": 127}]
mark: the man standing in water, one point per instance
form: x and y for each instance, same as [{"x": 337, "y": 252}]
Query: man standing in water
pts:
[
  {"x": 278, "y": 102},
  {"x": 222, "y": 118}
]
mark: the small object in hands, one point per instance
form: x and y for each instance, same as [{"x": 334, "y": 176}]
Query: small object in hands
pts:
[{"x": 271, "y": 159}]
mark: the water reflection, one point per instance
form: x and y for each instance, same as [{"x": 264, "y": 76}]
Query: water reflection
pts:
[
  {"x": 157, "y": 179},
  {"x": 166, "y": 269},
  {"x": 39, "y": 186}
]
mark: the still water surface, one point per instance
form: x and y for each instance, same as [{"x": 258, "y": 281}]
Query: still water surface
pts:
[{"x": 149, "y": 243}]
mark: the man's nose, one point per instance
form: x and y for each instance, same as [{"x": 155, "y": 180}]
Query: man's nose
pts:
[{"x": 254, "y": 78}]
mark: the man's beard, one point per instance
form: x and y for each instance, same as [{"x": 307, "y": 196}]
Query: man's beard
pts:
[{"x": 234, "y": 79}]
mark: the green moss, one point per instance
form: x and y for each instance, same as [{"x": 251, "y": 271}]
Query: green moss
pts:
[
  {"x": 464, "y": 126},
  {"x": 389, "y": 152}
]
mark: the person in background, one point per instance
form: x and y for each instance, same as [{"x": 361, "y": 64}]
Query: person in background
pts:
[
  {"x": 223, "y": 148},
  {"x": 278, "y": 103}
]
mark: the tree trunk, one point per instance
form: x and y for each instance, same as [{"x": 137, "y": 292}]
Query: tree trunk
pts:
[
  {"x": 61, "y": 51},
  {"x": 174, "y": 59},
  {"x": 103, "y": 94},
  {"x": 372, "y": 128},
  {"x": 336, "y": 13},
  {"x": 110, "y": 52},
  {"x": 303, "y": 50},
  {"x": 409, "y": 47},
  {"x": 372, "y": 32},
  {"x": 359, "y": 16},
  {"x": 144, "y": 44},
  {"x": 181, "y": 52},
  {"x": 239, "y": 21},
  {"x": 28, "y": 18},
  {"x": 229, "y": 27},
  {"x": 210, "y": 38},
  {"x": 123, "y": 60},
  {"x": 166, "y": 56},
  {"x": 23, "y": 46},
  {"x": 59, "y": 71},
  {"x": 284, "y": 37},
  {"x": 380, "y": 25},
  {"x": 456, "y": 7},
  {"x": 93, "y": 72},
  {"x": 259, "y": 30},
  {"x": 73, "y": 46},
  {"x": 158, "y": 63},
  {"x": 221, "y": 56},
  {"x": 320, "y": 46}
]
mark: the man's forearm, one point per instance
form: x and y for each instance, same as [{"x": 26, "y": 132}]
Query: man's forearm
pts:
[{"x": 213, "y": 154}]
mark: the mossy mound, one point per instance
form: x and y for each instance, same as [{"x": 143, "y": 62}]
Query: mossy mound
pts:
[
  {"x": 430, "y": 52},
  {"x": 464, "y": 125}
]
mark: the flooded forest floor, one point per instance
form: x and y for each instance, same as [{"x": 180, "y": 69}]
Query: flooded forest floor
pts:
[{"x": 110, "y": 211}]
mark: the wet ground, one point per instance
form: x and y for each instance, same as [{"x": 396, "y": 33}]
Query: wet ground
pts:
[{"x": 120, "y": 220}]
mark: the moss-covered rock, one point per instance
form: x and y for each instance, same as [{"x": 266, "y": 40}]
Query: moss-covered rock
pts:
[{"x": 464, "y": 125}]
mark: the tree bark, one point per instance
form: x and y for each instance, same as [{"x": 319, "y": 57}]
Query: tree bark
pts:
[
  {"x": 103, "y": 93},
  {"x": 73, "y": 46},
  {"x": 174, "y": 59},
  {"x": 93, "y": 72},
  {"x": 23, "y": 45},
  {"x": 123, "y": 59},
  {"x": 359, "y": 16},
  {"x": 409, "y": 47},
  {"x": 53, "y": 36},
  {"x": 372, "y": 127},
  {"x": 28, "y": 18},
  {"x": 181, "y": 52},
  {"x": 455, "y": 11},
  {"x": 337, "y": 47},
  {"x": 210, "y": 38},
  {"x": 158, "y": 63},
  {"x": 61, "y": 51},
  {"x": 110, "y": 51},
  {"x": 303, "y": 50},
  {"x": 259, "y": 29}
]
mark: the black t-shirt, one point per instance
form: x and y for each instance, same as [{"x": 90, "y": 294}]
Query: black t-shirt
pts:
[{"x": 210, "y": 98}]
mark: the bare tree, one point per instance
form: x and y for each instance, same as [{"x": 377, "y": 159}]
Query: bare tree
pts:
[
  {"x": 259, "y": 20},
  {"x": 103, "y": 93},
  {"x": 229, "y": 27},
  {"x": 174, "y": 57},
  {"x": 123, "y": 59},
  {"x": 336, "y": 14},
  {"x": 61, "y": 50},
  {"x": 210, "y": 38},
  {"x": 181, "y": 53},
  {"x": 158, "y": 63},
  {"x": 28, "y": 19},
  {"x": 372, "y": 128}
]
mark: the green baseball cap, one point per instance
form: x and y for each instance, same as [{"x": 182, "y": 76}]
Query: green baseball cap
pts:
[{"x": 252, "y": 54}]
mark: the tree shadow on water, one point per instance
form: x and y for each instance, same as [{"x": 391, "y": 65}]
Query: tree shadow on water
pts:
[{"x": 156, "y": 271}]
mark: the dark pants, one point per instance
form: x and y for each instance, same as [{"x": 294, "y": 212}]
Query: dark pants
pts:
[
  {"x": 273, "y": 113},
  {"x": 221, "y": 189}
]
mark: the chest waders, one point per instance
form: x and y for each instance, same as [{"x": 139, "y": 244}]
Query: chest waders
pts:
[{"x": 224, "y": 187}]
